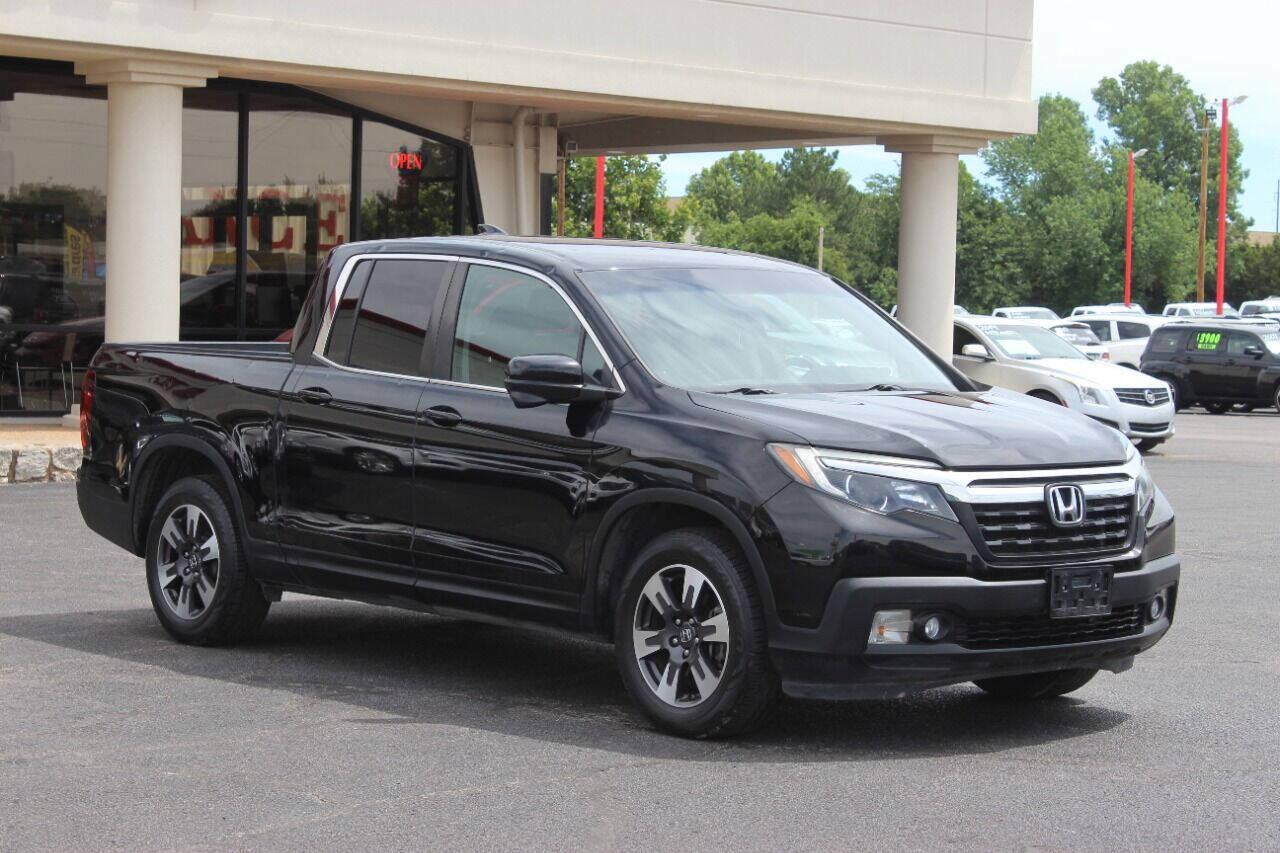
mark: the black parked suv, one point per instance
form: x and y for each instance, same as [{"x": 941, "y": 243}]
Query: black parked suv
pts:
[
  {"x": 740, "y": 471},
  {"x": 1217, "y": 363}
]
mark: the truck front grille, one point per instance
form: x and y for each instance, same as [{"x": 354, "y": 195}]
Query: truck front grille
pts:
[
  {"x": 1025, "y": 530},
  {"x": 1007, "y": 632}
]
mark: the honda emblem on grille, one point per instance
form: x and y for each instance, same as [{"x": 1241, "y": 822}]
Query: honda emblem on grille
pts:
[
  {"x": 1066, "y": 504},
  {"x": 1150, "y": 397}
]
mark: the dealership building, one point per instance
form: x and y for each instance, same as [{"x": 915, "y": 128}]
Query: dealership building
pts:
[{"x": 178, "y": 170}]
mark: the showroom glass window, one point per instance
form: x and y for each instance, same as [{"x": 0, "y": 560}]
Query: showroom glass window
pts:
[
  {"x": 53, "y": 225},
  {"x": 408, "y": 184},
  {"x": 210, "y": 296},
  {"x": 299, "y": 203}
]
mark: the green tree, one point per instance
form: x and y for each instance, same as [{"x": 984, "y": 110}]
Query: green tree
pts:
[
  {"x": 635, "y": 206},
  {"x": 1151, "y": 106},
  {"x": 742, "y": 183}
]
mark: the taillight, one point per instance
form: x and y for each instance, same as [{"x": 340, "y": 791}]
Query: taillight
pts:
[{"x": 86, "y": 407}]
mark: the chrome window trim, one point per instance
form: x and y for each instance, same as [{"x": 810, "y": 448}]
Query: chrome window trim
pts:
[
  {"x": 989, "y": 486},
  {"x": 591, "y": 333},
  {"x": 331, "y": 309}
]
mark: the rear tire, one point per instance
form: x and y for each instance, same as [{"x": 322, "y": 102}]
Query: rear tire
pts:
[
  {"x": 681, "y": 593},
  {"x": 1038, "y": 685},
  {"x": 197, "y": 574}
]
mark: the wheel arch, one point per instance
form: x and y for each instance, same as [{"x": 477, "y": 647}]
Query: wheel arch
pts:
[
  {"x": 167, "y": 459},
  {"x": 641, "y": 516}
]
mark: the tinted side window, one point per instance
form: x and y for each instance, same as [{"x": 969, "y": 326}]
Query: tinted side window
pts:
[
  {"x": 344, "y": 318},
  {"x": 1101, "y": 328},
  {"x": 391, "y": 324},
  {"x": 1205, "y": 341},
  {"x": 1236, "y": 343},
  {"x": 1165, "y": 341},
  {"x": 962, "y": 337},
  {"x": 1129, "y": 331},
  {"x": 504, "y": 314}
]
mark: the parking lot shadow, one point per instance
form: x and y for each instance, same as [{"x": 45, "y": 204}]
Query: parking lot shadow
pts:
[{"x": 401, "y": 668}]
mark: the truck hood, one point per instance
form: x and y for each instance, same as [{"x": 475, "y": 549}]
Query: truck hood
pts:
[
  {"x": 989, "y": 429},
  {"x": 1099, "y": 373}
]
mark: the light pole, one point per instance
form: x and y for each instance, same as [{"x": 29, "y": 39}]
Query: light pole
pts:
[
  {"x": 1222, "y": 198},
  {"x": 1210, "y": 115},
  {"x": 1128, "y": 231}
]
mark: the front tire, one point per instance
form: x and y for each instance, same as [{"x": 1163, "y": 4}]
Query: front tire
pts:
[
  {"x": 1037, "y": 685},
  {"x": 1146, "y": 445},
  {"x": 690, "y": 637},
  {"x": 1218, "y": 408},
  {"x": 197, "y": 574}
]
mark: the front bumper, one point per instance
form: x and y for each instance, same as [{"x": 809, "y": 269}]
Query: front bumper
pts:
[
  {"x": 1136, "y": 422},
  {"x": 834, "y": 660}
]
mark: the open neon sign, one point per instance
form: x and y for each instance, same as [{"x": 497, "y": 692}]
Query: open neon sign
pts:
[{"x": 406, "y": 161}]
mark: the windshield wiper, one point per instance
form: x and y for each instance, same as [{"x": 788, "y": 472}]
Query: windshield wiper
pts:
[{"x": 747, "y": 389}]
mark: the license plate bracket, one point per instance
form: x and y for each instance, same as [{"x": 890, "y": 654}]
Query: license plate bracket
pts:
[{"x": 1074, "y": 593}]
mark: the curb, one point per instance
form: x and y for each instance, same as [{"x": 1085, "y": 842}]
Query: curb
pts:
[{"x": 39, "y": 464}]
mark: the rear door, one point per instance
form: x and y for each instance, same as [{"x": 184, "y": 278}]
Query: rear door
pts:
[
  {"x": 500, "y": 491},
  {"x": 1205, "y": 358},
  {"x": 348, "y": 422}
]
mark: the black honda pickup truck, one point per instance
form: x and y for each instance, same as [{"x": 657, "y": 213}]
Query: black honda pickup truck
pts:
[{"x": 740, "y": 471}]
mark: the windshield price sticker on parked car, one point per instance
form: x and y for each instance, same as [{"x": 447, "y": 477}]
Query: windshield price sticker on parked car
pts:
[{"x": 1208, "y": 340}]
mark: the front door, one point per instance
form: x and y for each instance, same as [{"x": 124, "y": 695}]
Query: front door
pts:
[
  {"x": 1243, "y": 369},
  {"x": 346, "y": 506},
  {"x": 500, "y": 490}
]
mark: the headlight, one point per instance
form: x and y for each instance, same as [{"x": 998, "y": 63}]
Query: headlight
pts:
[
  {"x": 1090, "y": 394},
  {"x": 872, "y": 492},
  {"x": 1146, "y": 491}
]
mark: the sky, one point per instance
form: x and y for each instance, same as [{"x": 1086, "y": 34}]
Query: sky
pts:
[{"x": 1224, "y": 48}]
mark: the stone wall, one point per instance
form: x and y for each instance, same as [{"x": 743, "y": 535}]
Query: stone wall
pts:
[{"x": 38, "y": 464}]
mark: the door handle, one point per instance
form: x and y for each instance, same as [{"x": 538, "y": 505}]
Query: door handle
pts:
[
  {"x": 443, "y": 416},
  {"x": 318, "y": 396}
]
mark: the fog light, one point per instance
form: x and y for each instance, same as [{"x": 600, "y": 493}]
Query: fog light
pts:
[
  {"x": 890, "y": 627},
  {"x": 932, "y": 628},
  {"x": 1156, "y": 608}
]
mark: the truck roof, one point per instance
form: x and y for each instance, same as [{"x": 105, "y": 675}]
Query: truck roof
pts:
[{"x": 579, "y": 253}]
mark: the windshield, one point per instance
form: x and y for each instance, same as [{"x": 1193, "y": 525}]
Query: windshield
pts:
[
  {"x": 1029, "y": 314},
  {"x": 1077, "y": 335},
  {"x": 1261, "y": 308},
  {"x": 758, "y": 330},
  {"x": 1028, "y": 343}
]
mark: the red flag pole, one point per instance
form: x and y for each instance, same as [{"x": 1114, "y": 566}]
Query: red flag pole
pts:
[
  {"x": 598, "y": 231},
  {"x": 1222, "y": 208},
  {"x": 1128, "y": 238}
]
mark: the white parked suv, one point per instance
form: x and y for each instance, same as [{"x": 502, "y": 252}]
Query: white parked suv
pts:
[
  {"x": 1033, "y": 360},
  {"x": 1124, "y": 336},
  {"x": 1026, "y": 312},
  {"x": 1199, "y": 309},
  {"x": 1109, "y": 308}
]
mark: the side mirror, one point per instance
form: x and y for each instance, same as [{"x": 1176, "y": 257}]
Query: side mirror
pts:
[
  {"x": 1255, "y": 351},
  {"x": 534, "y": 380},
  {"x": 977, "y": 351}
]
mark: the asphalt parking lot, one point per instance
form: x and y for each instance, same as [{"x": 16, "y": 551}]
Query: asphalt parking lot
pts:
[{"x": 349, "y": 726}]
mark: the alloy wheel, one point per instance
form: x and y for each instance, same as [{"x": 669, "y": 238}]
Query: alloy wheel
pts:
[
  {"x": 680, "y": 636},
  {"x": 187, "y": 562}
]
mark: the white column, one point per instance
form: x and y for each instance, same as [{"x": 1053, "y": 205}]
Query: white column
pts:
[
  {"x": 927, "y": 234},
  {"x": 144, "y": 192}
]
